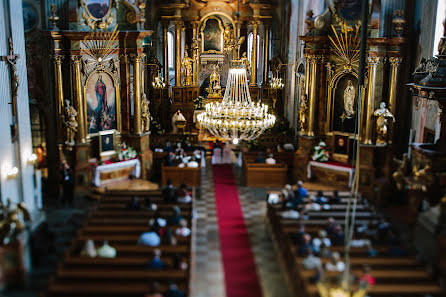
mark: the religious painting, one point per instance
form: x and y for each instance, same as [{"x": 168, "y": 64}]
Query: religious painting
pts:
[
  {"x": 344, "y": 108},
  {"x": 212, "y": 35},
  {"x": 98, "y": 9},
  {"x": 107, "y": 143},
  {"x": 30, "y": 16},
  {"x": 350, "y": 10},
  {"x": 341, "y": 146},
  {"x": 101, "y": 103}
]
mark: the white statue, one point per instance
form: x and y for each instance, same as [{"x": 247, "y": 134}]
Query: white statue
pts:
[
  {"x": 178, "y": 116},
  {"x": 383, "y": 115},
  {"x": 70, "y": 124},
  {"x": 349, "y": 100},
  {"x": 145, "y": 113}
]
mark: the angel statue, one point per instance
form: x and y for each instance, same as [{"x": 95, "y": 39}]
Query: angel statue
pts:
[
  {"x": 12, "y": 223},
  {"x": 245, "y": 61},
  {"x": 71, "y": 123},
  {"x": 186, "y": 64},
  {"x": 145, "y": 113},
  {"x": 382, "y": 122}
]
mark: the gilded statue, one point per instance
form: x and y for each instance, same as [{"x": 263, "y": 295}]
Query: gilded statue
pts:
[
  {"x": 303, "y": 112},
  {"x": 186, "y": 64},
  {"x": 245, "y": 61},
  {"x": 145, "y": 113},
  {"x": 228, "y": 39},
  {"x": 71, "y": 123},
  {"x": 423, "y": 178},
  {"x": 349, "y": 100},
  {"x": 12, "y": 223},
  {"x": 214, "y": 89},
  {"x": 382, "y": 114},
  {"x": 402, "y": 171}
]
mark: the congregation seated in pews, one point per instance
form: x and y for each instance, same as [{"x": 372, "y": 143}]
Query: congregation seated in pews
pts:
[
  {"x": 131, "y": 245},
  {"x": 308, "y": 228}
]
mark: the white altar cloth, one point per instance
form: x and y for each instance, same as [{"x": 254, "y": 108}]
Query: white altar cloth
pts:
[
  {"x": 332, "y": 166},
  {"x": 114, "y": 167}
]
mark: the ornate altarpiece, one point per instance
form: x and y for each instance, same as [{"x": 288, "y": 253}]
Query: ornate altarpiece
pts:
[{"x": 330, "y": 91}]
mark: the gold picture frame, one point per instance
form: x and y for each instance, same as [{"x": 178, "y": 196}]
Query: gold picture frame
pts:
[
  {"x": 93, "y": 14},
  {"x": 341, "y": 147},
  {"x": 202, "y": 35},
  {"x": 107, "y": 143},
  {"x": 117, "y": 101}
]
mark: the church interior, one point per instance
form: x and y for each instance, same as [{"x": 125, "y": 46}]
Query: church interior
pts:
[{"x": 224, "y": 148}]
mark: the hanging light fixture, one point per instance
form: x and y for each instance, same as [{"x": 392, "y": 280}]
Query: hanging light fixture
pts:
[
  {"x": 236, "y": 117},
  {"x": 276, "y": 83},
  {"x": 158, "y": 83}
]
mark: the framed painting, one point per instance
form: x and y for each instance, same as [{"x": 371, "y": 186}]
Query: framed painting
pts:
[
  {"x": 107, "y": 143},
  {"x": 97, "y": 9},
  {"x": 341, "y": 146},
  {"x": 102, "y": 102},
  {"x": 212, "y": 35},
  {"x": 31, "y": 17}
]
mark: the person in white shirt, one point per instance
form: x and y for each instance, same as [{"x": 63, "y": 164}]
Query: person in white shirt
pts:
[
  {"x": 183, "y": 230},
  {"x": 106, "y": 251},
  {"x": 89, "y": 249},
  {"x": 335, "y": 264},
  {"x": 270, "y": 159},
  {"x": 311, "y": 261}
]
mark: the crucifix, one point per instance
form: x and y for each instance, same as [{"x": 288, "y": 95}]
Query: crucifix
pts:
[{"x": 11, "y": 60}]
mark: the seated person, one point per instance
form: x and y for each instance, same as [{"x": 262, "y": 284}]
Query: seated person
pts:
[
  {"x": 290, "y": 214},
  {"x": 335, "y": 199},
  {"x": 260, "y": 158},
  {"x": 174, "y": 291},
  {"x": 168, "y": 147},
  {"x": 134, "y": 204},
  {"x": 312, "y": 206},
  {"x": 366, "y": 279},
  {"x": 300, "y": 192},
  {"x": 89, "y": 249},
  {"x": 321, "y": 240},
  {"x": 157, "y": 220},
  {"x": 106, "y": 251},
  {"x": 156, "y": 262},
  {"x": 311, "y": 261},
  {"x": 184, "y": 195},
  {"x": 330, "y": 228},
  {"x": 179, "y": 150},
  {"x": 305, "y": 245},
  {"x": 154, "y": 290},
  {"x": 175, "y": 218},
  {"x": 270, "y": 159},
  {"x": 193, "y": 163},
  {"x": 320, "y": 198},
  {"x": 169, "y": 160},
  {"x": 149, "y": 205},
  {"x": 169, "y": 193},
  {"x": 169, "y": 237},
  {"x": 338, "y": 236},
  {"x": 183, "y": 230},
  {"x": 150, "y": 238},
  {"x": 335, "y": 263},
  {"x": 188, "y": 147},
  {"x": 273, "y": 198}
]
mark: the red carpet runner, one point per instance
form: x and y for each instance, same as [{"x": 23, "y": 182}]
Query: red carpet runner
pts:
[{"x": 238, "y": 261}]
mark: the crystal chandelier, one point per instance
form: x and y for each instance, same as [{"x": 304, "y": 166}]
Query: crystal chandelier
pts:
[
  {"x": 236, "y": 117},
  {"x": 276, "y": 83},
  {"x": 158, "y": 83}
]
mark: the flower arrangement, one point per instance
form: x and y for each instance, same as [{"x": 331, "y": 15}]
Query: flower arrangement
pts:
[
  {"x": 198, "y": 103},
  {"x": 320, "y": 153},
  {"x": 127, "y": 152}
]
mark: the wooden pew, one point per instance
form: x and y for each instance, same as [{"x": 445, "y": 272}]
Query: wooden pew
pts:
[
  {"x": 265, "y": 175},
  {"x": 178, "y": 176}
]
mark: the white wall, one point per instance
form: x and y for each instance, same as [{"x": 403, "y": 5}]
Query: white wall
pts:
[{"x": 22, "y": 187}]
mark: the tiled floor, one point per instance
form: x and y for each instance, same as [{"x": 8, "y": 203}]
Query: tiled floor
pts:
[{"x": 209, "y": 276}]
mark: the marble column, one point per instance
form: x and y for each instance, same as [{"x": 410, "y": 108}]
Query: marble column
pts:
[
  {"x": 79, "y": 105},
  {"x": 178, "y": 26},
  {"x": 266, "y": 54},
  {"x": 137, "y": 91},
  {"x": 165, "y": 25},
  {"x": 372, "y": 65},
  {"x": 312, "y": 104},
  {"x": 255, "y": 27}
]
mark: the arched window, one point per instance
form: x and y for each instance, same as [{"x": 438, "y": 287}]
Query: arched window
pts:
[
  {"x": 441, "y": 17},
  {"x": 170, "y": 50},
  {"x": 249, "y": 43}
]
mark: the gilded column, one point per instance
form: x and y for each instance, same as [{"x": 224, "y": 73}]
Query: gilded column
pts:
[
  {"x": 80, "y": 106},
  {"x": 165, "y": 25},
  {"x": 395, "y": 64},
  {"x": 304, "y": 131},
  {"x": 314, "y": 60},
  {"x": 372, "y": 65},
  {"x": 59, "y": 92},
  {"x": 137, "y": 92},
  {"x": 255, "y": 27},
  {"x": 178, "y": 26},
  {"x": 266, "y": 54},
  {"x": 195, "y": 46}
]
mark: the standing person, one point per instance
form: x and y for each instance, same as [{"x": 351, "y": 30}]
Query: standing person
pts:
[{"x": 67, "y": 184}]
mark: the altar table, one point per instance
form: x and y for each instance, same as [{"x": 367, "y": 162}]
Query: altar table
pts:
[
  {"x": 336, "y": 167},
  {"x": 113, "y": 172}
]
